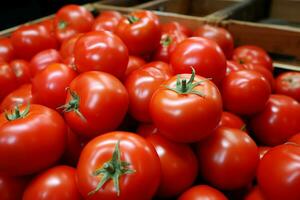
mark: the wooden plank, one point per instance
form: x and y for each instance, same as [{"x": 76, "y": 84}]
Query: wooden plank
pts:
[{"x": 286, "y": 9}]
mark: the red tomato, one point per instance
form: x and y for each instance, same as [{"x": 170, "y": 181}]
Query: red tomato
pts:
[
  {"x": 114, "y": 165},
  {"x": 254, "y": 194},
  {"x": 295, "y": 138},
  {"x": 175, "y": 158},
  {"x": 204, "y": 55},
  {"x": 245, "y": 92},
  {"x": 134, "y": 63},
  {"x": 220, "y": 35},
  {"x": 252, "y": 54},
  {"x": 186, "y": 108},
  {"x": 21, "y": 69},
  {"x": 228, "y": 158},
  {"x": 145, "y": 130},
  {"x": 49, "y": 86},
  {"x": 233, "y": 66},
  {"x": 140, "y": 31},
  {"x": 231, "y": 120},
  {"x": 28, "y": 40},
  {"x": 55, "y": 183},
  {"x": 70, "y": 20},
  {"x": 101, "y": 51},
  {"x": 42, "y": 59},
  {"x": 31, "y": 139},
  {"x": 173, "y": 26},
  {"x": 49, "y": 25},
  {"x": 6, "y": 50},
  {"x": 90, "y": 94},
  {"x": 67, "y": 47},
  {"x": 278, "y": 121},
  {"x": 262, "y": 151},
  {"x": 107, "y": 21},
  {"x": 8, "y": 80},
  {"x": 278, "y": 173},
  {"x": 11, "y": 188},
  {"x": 288, "y": 83},
  {"x": 141, "y": 84},
  {"x": 202, "y": 192}
]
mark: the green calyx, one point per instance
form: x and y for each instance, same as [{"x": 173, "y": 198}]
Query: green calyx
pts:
[
  {"x": 166, "y": 41},
  {"x": 62, "y": 25},
  {"x": 132, "y": 19},
  {"x": 16, "y": 113},
  {"x": 113, "y": 170}
]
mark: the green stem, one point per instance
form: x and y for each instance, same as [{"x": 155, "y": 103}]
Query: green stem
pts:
[
  {"x": 62, "y": 25},
  {"x": 16, "y": 114},
  {"x": 132, "y": 19},
  {"x": 166, "y": 41}
]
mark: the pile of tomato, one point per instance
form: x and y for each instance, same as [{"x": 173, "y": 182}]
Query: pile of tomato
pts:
[{"x": 124, "y": 107}]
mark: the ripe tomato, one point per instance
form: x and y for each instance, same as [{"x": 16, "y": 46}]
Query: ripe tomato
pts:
[
  {"x": 107, "y": 21},
  {"x": 145, "y": 130},
  {"x": 113, "y": 166},
  {"x": 278, "y": 121},
  {"x": 21, "y": 69},
  {"x": 31, "y": 139},
  {"x": 252, "y": 54},
  {"x": 140, "y": 31},
  {"x": 8, "y": 80},
  {"x": 49, "y": 25},
  {"x": 295, "y": 138},
  {"x": 245, "y": 92},
  {"x": 220, "y": 35},
  {"x": 141, "y": 84},
  {"x": 11, "y": 188},
  {"x": 101, "y": 51},
  {"x": 42, "y": 59},
  {"x": 6, "y": 50},
  {"x": 231, "y": 120},
  {"x": 70, "y": 20},
  {"x": 28, "y": 40},
  {"x": 278, "y": 173},
  {"x": 173, "y": 26},
  {"x": 186, "y": 110},
  {"x": 254, "y": 194},
  {"x": 263, "y": 71},
  {"x": 233, "y": 66},
  {"x": 228, "y": 158},
  {"x": 175, "y": 158},
  {"x": 288, "y": 83},
  {"x": 90, "y": 94},
  {"x": 67, "y": 47},
  {"x": 202, "y": 192},
  {"x": 134, "y": 63},
  {"x": 55, "y": 183},
  {"x": 204, "y": 55},
  {"x": 49, "y": 86}
]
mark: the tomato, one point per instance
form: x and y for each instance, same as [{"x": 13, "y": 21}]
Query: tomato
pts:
[
  {"x": 233, "y": 66},
  {"x": 231, "y": 120},
  {"x": 101, "y": 51},
  {"x": 278, "y": 173},
  {"x": 295, "y": 138},
  {"x": 245, "y": 92},
  {"x": 254, "y": 194},
  {"x": 42, "y": 59},
  {"x": 228, "y": 158},
  {"x": 145, "y": 130},
  {"x": 6, "y": 50},
  {"x": 11, "y": 188},
  {"x": 55, "y": 183},
  {"x": 49, "y": 25},
  {"x": 21, "y": 69},
  {"x": 107, "y": 21},
  {"x": 186, "y": 108},
  {"x": 202, "y": 192},
  {"x": 173, "y": 26},
  {"x": 140, "y": 31},
  {"x": 134, "y": 63},
  {"x": 70, "y": 20},
  {"x": 278, "y": 121},
  {"x": 263, "y": 150},
  {"x": 220, "y": 35},
  {"x": 175, "y": 158},
  {"x": 252, "y": 54},
  {"x": 263, "y": 71},
  {"x": 67, "y": 47},
  {"x": 288, "y": 83},
  {"x": 141, "y": 84},
  {"x": 49, "y": 86},
  {"x": 31, "y": 139},
  {"x": 204, "y": 55},
  {"x": 28, "y": 40},
  {"x": 90, "y": 94},
  {"x": 8, "y": 80},
  {"x": 114, "y": 165}
]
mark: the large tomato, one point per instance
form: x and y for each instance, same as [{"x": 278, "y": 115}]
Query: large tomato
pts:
[
  {"x": 141, "y": 84},
  {"x": 278, "y": 121},
  {"x": 231, "y": 120},
  {"x": 203, "y": 54},
  {"x": 107, "y": 21},
  {"x": 134, "y": 63},
  {"x": 101, "y": 51},
  {"x": 186, "y": 108},
  {"x": 114, "y": 165},
  {"x": 202, "y": 192},
  {"x": 96, "y": 103},
  {"x": 8, "y": 80},
  {"x": 6, "y": 50},
  {"x": 11, "y": 188},
  {"x": 228, "y": 158},
  {"x": 288, "y": 83},
  {"x": 22, "y": 72},
  {"x": 140, "y": 31},
  {"x": 55, "y": 183},
  {"x": 67, "y": 47},
  {"x": 254, "y": 194},
  {"x": 31, "y": 139}
]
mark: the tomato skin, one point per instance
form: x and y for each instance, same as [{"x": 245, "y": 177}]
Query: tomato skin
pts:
[
  {"x": 176, "y": 115},
  {"x": 263, "y": 71},
  {"x": 288, "y": 83},
  {"x": 49, "y": 25},
  {"x": 173, "y": 26},
  {"x": 43, "y": 187},
  {"x": 42, "y": 59},
  {"x": 202, "y": 192},
  {"x": 204, "y": 55},
  {"x": 233, "y": 66},
  {"x": 231, "y": 120},
  {"x": 67, "y": 47},
  {"x": 295, "y": 138},
  {"x": 6, "y": 50},
  {"x": 49, "y": 86},
  {"x": 228, "y": 158},
  {"x": 245, "y": 92},
  {"x": 107, "y": 21},
  {"x": 135, "y": 150},
  {"x": 143, "y": 36},
  {"x": 254, "y": 194},
  {"x": 220, "y": 35},
  {"x": 146, "y": 130},
  {"x": 23, "y": 149},
  {"x": 11, "y": 188},
  {"x": 134, "y": 63},
  {"x": 278, "y": 121},
  {"x": 263, "y": 150},
  {"x": 70, "y": 20},
  {"x": 8, "y": 80},
  {"x": 275, "y": 171},
  {"x": 21, "y": 69},
  {"x": 111, "y": 57},
  {"x": 99, "y": 92},
  {"x": 141, "y": 84}
]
